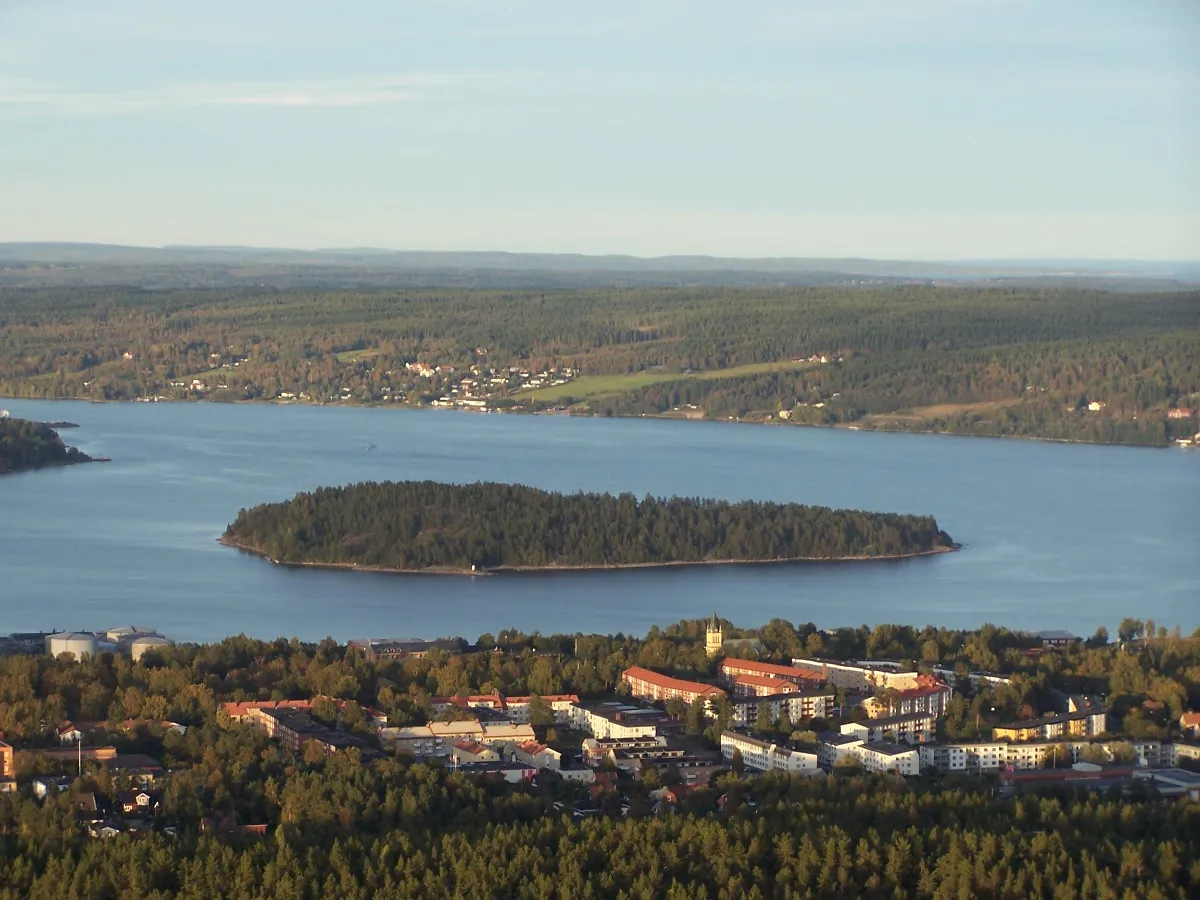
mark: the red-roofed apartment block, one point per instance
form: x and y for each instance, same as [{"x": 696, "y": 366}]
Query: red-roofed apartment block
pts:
[
  {"x": 650, "y": 685},
  {"x": 732, "y": 669}
]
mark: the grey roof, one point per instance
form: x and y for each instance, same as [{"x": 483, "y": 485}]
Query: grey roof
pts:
[
  {"x": 890, "y": 749},
  {"x": 1178, "y": 776}
]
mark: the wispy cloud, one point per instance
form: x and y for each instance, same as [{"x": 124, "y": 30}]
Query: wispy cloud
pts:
[{"x": 30, "y": 96}]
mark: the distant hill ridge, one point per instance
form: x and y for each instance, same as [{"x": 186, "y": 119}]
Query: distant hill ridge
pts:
[{"x": 54, "y": 253}]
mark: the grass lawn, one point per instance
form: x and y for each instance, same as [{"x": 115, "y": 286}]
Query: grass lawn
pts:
[
  {"x": 349, "y": 356},
  {"x": 596, "y": 387}
]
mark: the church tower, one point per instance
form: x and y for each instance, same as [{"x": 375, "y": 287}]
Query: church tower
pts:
[{"x": 712, "y": 637}]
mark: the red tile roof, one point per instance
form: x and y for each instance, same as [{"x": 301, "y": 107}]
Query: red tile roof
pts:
[
  {"x": 237, "y": 710},
  {"x": 753, "y": 666},
  {"x": 763, "y": 681},
  {"x": 666, "y": 681}
]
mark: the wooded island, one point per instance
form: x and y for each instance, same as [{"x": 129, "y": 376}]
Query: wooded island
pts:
[
  {"x": 33, "y": 445},
  {"x": 429, "y": 526}
]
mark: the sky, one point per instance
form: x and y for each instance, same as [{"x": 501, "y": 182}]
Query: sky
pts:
[{"x": 904, "y": 129}]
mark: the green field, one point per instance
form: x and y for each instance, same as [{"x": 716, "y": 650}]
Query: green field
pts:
[
  {"x": 349, "y": 356},
  {"x": 597, "y": 387}
]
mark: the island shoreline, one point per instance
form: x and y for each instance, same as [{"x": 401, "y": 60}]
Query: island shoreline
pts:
[{"x": 590, "y": 567}]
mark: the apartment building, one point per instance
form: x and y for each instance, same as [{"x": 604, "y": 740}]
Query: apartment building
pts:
[
  {"x": 514, "y": 709},
  {"x": 762, "y": 686},
  {"x": 731, "y": 669},
  {"x": 964, "y": 757},
  {"x": 857, "y": 676},
  {"x": 767, "y": 756},
  {"x": 632, "y": 760},
  {"x": 929, "y": 696},
  {"x": 654, "y": 686},
  {"x": 617, "y": 720},
  {"x": 517, "y": 708},
  {"x": 873, "y": 756},
  {"x": 949, "y": 676},
  {"x": 439, "y": 738},
  {"x": 1088, "y": 723},
  {"x": 295, "y": 728},
  {"x": 803, "y": 705},
  {"x": 884, "y": 758},
  {"x": 598, "y": 749},
  {"x": 833, "y": 746},
  {"x": 913, "y": 728}
]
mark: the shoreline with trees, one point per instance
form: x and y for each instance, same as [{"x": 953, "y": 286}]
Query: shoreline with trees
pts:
[
  {"x": 501, "y": 570},
  {"x": 483, "y": 528},
  {"x": 26, "y": 446}
]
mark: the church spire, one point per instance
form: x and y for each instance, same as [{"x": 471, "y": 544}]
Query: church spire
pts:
[{"x": 713, "y": 638}]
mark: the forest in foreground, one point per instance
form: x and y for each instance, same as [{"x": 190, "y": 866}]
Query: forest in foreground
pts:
[
  {"x": 1058, "y": 363},
  {"x": 392, "y": 831},
  {"x": 413, "y": 525},
  {"x": 33, "y": 445}
]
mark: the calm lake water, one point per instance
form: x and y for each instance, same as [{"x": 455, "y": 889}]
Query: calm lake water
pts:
[{"x": 1055, "y": 535}]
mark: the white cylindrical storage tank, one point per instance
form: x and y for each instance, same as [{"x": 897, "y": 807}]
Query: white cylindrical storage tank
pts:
[
  {"x": 78, "y": 643},
  {"x": 149, "y": 642}
]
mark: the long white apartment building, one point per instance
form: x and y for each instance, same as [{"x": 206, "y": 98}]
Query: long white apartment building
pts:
[
  {"x": 766, "y": 756},
  {"x": 990, "y": 756},
  {"x": 964, "y": 757},
  {"x": 857, "y": 676},
  {"x": 803, "y": 705},
  {"x": 439, "y": 738}
]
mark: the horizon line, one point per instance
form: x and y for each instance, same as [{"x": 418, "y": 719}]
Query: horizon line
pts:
[{"x": 1048, "y": 260}]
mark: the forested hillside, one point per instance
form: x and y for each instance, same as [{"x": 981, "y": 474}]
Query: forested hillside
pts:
[
  {"x": 1071, "y": 364},
  {"x": 32, "y": 445},
  {"x": 427, "y": 525}
]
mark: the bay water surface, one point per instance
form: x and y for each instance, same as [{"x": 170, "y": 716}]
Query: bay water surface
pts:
[{"x": 1054, "y": 535}]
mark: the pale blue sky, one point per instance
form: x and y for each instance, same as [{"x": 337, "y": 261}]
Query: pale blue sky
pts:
[{"x": 935, "y": 129}]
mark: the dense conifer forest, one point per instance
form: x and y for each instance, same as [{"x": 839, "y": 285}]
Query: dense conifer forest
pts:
[
  {"x": 395, "y": 831},
  {"x": 32, "y": 445},
  {"x": 1041, "y": 362},
  {"x": 428, "y": 525}
]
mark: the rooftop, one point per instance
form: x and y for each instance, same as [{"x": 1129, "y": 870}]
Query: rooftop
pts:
[
  {"x": 889, "y": 749},
  {"x": 837, "y": 739},
  {"x": 666, "y": 681},
  {"x": 771, "y": 669},
  {"x": 1181, "y": 777},
  {"x": 763, "y": 681}
]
